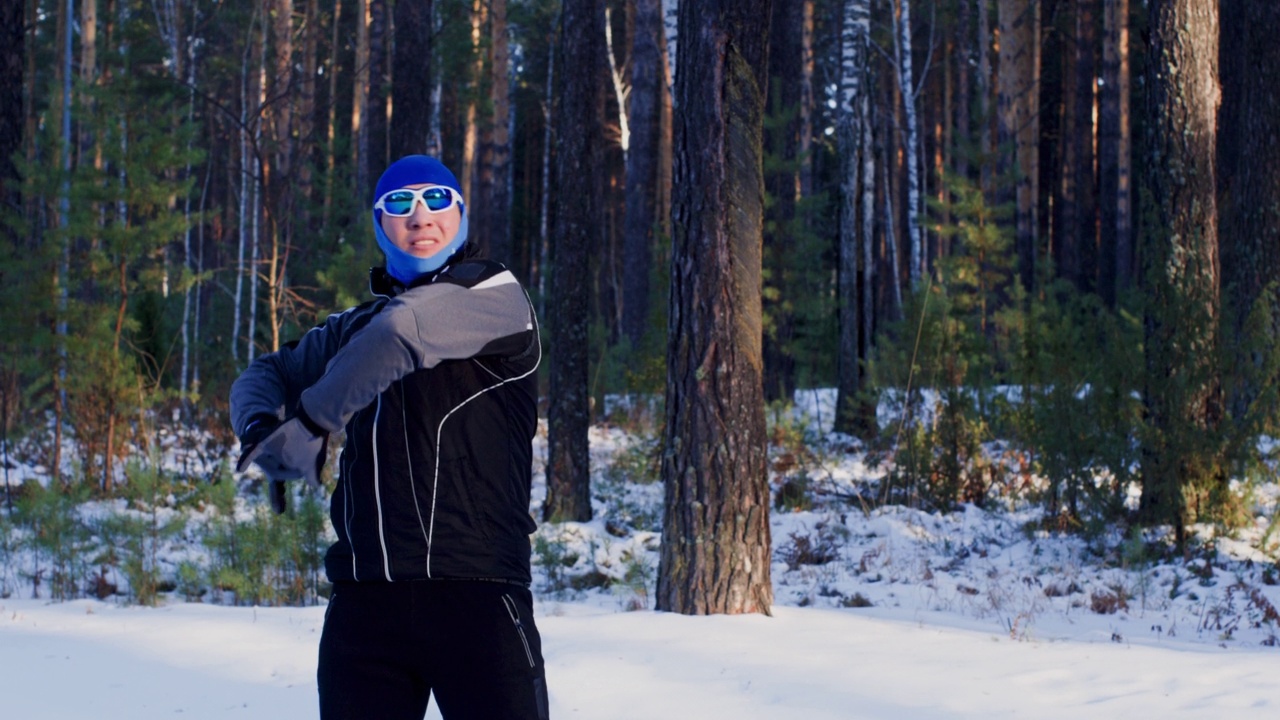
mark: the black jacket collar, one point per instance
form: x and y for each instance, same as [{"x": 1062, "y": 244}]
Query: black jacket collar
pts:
[{"x": 383, "y": 284}]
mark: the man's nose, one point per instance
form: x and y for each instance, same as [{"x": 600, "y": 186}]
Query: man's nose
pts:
[{"x": 420, "y": 215}]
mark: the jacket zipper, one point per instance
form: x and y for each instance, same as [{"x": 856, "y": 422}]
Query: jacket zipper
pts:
[{"x": 377, "y": 493}]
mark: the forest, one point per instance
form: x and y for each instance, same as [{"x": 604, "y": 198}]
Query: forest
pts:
[{"x": 1043, "y": 233}]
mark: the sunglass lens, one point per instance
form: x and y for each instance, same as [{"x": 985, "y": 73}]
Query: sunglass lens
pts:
[
  {"x": 437, "y": 199},
  {"x": 398, "y": 203}
]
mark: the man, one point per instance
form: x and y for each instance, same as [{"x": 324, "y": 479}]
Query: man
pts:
[{"x": 434, "y": 383}]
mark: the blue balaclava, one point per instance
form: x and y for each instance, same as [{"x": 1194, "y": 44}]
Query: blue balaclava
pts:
[{"x": 413, "y": 170}]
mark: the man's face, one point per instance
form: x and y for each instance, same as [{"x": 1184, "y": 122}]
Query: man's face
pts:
[{"x": 422, "y": 233}]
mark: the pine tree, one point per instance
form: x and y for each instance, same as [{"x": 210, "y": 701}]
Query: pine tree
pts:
[{"x": 715, "y": 554}]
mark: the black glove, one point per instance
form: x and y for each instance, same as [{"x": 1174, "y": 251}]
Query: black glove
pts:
[
  {"x": 293, "y": 449},
  {"x": 260, "y": 426}
]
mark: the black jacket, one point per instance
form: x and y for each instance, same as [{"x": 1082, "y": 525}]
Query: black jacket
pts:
[{"x": 435, "y": 386}]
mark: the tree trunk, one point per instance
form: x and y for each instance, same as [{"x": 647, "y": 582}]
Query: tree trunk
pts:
[
  {"x": 258, "y": 94},
  {"x": 782, "y": 183},
  {"x": 497, "y": 155},
  {"x": 544, "y": 194},
  {"x": 360, "y": 101},
  {"x": 984, "y": 88},
  {"x": 867, "y": 238},
  {"x": 1019, "y": 126},
  {"x": 331, "y": 131},
  {"x": 891, "y": 242},
  {"x": 471, "y": 130},
  {"x": 411, "y": 80},
  {"x": 911, "y": 143},
  {"x": 715, "y": 538},
  {"x": 671, "y": 26},
  {"x": 278, "y": 172},
  {"x": 579, "y": 225},
  {"x": 1115, "y": 267},
  {"x": 305, "y": 154},
  {"x": 807, "y": 68},
  {"x": 1083, "y": 142},
  {"x": 962, "y": 152},
  {"x": 1180, "y": 248},
  {"x": 647, "y": 87},
  {"x": 1063, "y": 232},
  {"x": 12, "y": 56},
  {"x": 378, "y": 91},
  {"x": 1249, "y": 178},
  {"x": 854, "y": 415}
]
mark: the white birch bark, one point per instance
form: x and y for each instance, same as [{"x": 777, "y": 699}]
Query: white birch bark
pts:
[
  {"x": 851, "y": 123},
  {"x": 256, "y": 200},
  {"x": 671, "y": 20},
  {"x": 242, "y": 209},
  {"x": 620, "y": 86},
  {"x": 906, "y": 86}
]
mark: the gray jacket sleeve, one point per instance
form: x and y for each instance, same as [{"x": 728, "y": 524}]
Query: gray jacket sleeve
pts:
[
  {"x": 273, "y": 383},
  {"x": 418, "y": 329}
]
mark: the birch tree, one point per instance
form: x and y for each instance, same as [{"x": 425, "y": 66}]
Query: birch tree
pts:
[
  {"x": 909, "y": 92},
  {"x": 856, "y": 203}
]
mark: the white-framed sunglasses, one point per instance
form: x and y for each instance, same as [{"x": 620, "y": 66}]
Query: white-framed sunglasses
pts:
[{"x": 436, "y": 198}]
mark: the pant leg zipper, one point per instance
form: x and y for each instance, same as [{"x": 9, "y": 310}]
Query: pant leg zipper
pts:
[{"x": 515, "y": 618}]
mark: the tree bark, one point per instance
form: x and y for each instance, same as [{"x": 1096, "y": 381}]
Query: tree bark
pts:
[
  {"x": 715, "y": 555},
  {"x": 911, "y": 143},
  {"x": 783, "y": 184},
  {"x": 360, "y": 100},
  {"x": 984, "y": 88},
  {"x": 306, "y": 156},
  {"x": 647, "y": 88},
  {"x": 854, "y": 415},
  {"x": 1248, "y": 178},
  {"x": 1019, "y": 127},
  {"x": 962, "y": 151},
  {"x": 12, "y": 56},
  {"x": 1180, "y": 248},
  {"x": 471, "y": 130},
  {"x": 579, "y": 225},
  {"x": 498, "y": 154},
  {"x": 277, "y": 176},
  {"x": 411, "y": 80},
  {"x": 1083, "y": 142},
  {"x": 807, "y": 69},
  {"x": 379, "y": 87},
  {"x": 1115, "y": 267}
]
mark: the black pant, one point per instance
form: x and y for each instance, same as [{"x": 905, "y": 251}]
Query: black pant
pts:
[{"x": 388, "y": 647}]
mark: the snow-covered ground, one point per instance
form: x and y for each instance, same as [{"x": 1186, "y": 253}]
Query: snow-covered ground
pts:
[
  {"x": 887, "y": 612},
  {"x": 90, "y": 659}
]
